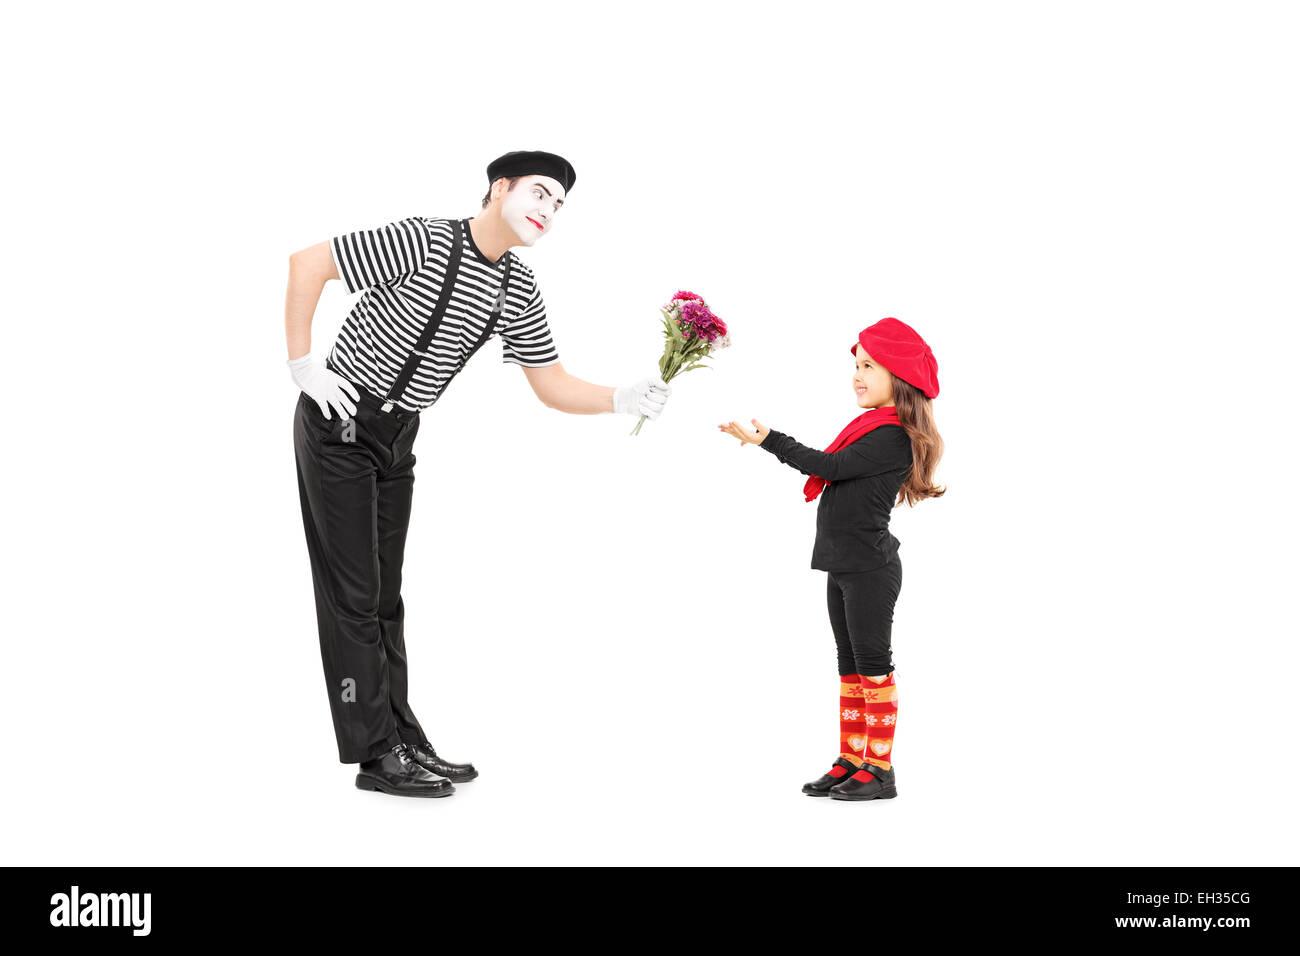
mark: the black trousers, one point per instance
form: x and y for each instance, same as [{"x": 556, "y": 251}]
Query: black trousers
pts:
[
  {"x": 354, "y": 481},
  {"x": 861, "y": 605}
]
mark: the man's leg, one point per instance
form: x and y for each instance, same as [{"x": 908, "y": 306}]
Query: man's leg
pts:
[
  {"x": 337, "y": 490},
  {"x": 394, "y": 513},
  {"x": 393, "y": 509}
]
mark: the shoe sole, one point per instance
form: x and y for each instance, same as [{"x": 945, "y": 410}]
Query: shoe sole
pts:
[
  {"x": 887, "y": 794},
  {"x": 816, "y": 793},
  {"x": 366, "y": 783}
]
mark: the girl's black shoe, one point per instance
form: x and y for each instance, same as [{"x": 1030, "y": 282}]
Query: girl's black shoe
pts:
[
  {"x": 822, "y": 785},
  {"x": 879, "y": 787}
]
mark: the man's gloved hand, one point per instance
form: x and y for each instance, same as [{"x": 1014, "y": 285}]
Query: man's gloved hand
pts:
[
  {"x": 325, "y": 388},
  {"x": 646, "y": 397}
]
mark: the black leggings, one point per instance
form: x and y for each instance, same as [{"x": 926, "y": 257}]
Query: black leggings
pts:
[{"x": 862, "y": 616}]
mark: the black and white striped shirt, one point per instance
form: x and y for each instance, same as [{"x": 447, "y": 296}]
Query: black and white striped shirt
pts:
[{"x": 401, "y": 267}]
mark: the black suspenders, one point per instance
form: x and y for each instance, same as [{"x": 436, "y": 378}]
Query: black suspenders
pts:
[{"x": 431, "y": 327}]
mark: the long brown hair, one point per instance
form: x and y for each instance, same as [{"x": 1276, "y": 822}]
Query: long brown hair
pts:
[{"x": 916, "y": 415}]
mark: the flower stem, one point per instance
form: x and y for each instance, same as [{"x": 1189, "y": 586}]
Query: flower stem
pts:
[{"x": 640, "y": 422}]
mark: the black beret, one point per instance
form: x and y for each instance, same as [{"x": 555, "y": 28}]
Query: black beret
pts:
[{"x": 532, "y": 162}]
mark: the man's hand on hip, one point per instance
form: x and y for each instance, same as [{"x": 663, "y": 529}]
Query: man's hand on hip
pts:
[{"x": 327, "y": 389}]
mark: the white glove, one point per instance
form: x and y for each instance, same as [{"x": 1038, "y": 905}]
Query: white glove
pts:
[
  {"x": 327, "y": 389},
  {"x": 646, "y": 397}
]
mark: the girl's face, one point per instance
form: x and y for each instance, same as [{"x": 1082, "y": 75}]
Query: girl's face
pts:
[{"x": 872, "y": 383}]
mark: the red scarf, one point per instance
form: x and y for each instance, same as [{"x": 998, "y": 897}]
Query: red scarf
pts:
[{"x": 885, "y": 415}]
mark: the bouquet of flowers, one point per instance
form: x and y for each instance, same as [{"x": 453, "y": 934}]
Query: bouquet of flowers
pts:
[{"x": 692, "y": 332}]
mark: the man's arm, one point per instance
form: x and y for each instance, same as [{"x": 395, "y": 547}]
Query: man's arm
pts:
[
  {"x": 309, "y": 270},
  {"x": 566, "y": 393}
]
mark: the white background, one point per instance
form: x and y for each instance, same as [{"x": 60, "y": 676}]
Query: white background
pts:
[{"x": 1089, "y": 210}]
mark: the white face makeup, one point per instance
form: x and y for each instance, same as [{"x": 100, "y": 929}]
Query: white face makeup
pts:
[{"x": 530, "y": 208}]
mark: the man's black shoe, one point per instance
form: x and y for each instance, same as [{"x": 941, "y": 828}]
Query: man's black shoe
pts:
[
  {"x": 879, "y": 787},
  {"x": 428, "y": 758},
  {"x": 396, "y": 773},
  {"x": 822, "y": 785}
]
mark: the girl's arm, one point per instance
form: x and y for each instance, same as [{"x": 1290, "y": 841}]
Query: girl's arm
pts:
[{"x": 883, "y": 449}]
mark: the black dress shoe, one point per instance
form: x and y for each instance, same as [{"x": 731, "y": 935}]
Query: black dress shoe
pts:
[
  {"x": 397, "y": 773},
  {"x": 822, "y": 785},
  {"x": 428, "y": 758},
  {"x": 879, "y": 787}
]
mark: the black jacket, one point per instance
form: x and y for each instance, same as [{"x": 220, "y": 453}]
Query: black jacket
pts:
[{"x": 853, "y": 510}]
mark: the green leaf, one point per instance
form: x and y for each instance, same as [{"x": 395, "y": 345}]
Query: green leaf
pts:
[{"x": 673, "y": 329}]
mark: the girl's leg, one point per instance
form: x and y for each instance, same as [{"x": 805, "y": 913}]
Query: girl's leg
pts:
[
  {"x": 880, "y": 703},
  {"x": 852, "y": 727},
  {"x": 869, "y": 598}
]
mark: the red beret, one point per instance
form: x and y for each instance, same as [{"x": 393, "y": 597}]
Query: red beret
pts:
[{"x": 897, "y": 347}]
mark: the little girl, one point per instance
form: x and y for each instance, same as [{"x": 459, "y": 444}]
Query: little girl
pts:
[{"x": 889, "y": 452}]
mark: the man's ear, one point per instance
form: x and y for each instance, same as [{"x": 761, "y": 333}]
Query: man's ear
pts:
[{"x": 498, "y": 187}]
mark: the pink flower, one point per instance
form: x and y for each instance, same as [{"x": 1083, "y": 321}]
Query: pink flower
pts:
[{"x": 701, "y": 322}]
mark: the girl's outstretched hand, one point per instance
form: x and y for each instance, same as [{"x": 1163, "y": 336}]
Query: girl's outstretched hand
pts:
[{"x": 746, "y": 433}]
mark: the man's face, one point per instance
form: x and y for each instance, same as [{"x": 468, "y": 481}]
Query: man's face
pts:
[{"x": 530, "y": 208}]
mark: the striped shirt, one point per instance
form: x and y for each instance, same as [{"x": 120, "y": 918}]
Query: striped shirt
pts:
[{"x": 401, "y": 268}]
